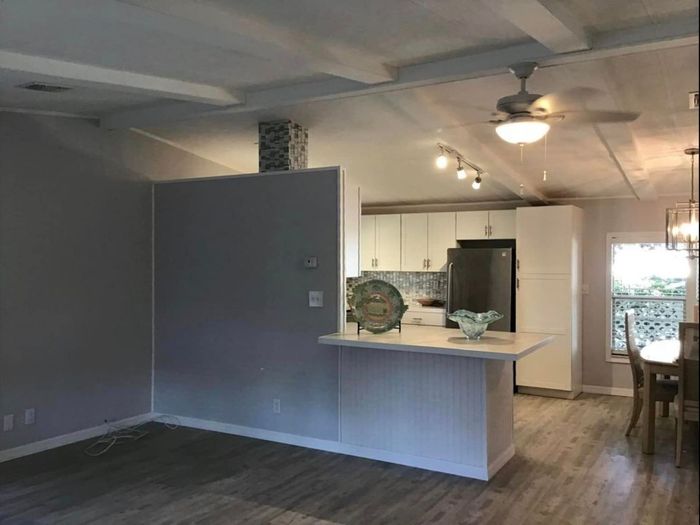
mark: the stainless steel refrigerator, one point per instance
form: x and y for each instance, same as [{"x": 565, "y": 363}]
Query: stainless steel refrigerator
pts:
[{"x": 481, "y": 277}]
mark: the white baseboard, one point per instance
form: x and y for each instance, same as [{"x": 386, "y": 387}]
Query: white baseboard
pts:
[
  {"x": 501, "y": 460},
  {"x": 66, "y": 439},
  {"x": 608, "y": 390},
  {"x": 447, "y": 467}
]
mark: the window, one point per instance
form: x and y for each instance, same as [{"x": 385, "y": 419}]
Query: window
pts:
[{"x": 658, "y": 284}]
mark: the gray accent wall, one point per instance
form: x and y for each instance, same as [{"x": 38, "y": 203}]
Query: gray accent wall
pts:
[
  {"x": 600, "y": 218},
  {"x": 233, "y": 329},
  {"x": 75, "y": 271}
]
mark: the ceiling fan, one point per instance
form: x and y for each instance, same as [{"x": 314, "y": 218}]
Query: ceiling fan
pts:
[{"x": 526, "y": 116}]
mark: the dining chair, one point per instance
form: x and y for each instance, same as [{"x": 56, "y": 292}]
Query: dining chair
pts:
[
  {"x": 688, "y": 371},
  {"x": 665, "y": 389}
]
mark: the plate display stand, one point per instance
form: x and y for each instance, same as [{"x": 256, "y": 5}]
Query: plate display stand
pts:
[{"x": 397, "y": 326}]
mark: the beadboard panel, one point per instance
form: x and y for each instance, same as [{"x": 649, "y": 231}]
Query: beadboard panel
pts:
[
  {"x": 418, "y": 404},
  {"x": 499, "y": 408}
]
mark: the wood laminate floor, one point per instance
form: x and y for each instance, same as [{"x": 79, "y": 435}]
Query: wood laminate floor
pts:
[{"x": 573, "y": 465}]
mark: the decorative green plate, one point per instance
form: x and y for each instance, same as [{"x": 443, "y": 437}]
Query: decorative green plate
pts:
[{"x": 377, "y": 306}]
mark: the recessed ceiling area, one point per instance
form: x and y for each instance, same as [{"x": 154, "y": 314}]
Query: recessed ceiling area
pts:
[{"x": 377, "y": 84}]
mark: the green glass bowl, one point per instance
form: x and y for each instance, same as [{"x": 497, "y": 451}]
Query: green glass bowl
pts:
[{"x": 473, "y": 324}]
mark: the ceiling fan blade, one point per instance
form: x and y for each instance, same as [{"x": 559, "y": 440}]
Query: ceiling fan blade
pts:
[
  {"x": 566, "y": 100},
  {"x": 593, "y": 116}
]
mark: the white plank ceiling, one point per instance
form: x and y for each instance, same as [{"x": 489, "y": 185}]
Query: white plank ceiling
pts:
[{"x": 378, "y": 83}]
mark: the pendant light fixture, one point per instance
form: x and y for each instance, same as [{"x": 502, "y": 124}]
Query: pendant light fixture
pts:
[{"x": 682, "y": 221}]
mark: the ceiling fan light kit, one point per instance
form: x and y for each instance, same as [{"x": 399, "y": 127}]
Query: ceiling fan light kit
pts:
[
  {"x": 522, "y": 130},
  {"x": 682, "y": 221}
]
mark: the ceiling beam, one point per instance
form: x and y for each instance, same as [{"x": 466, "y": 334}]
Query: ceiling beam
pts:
[
  {"x": 673, "y": 33},
  {"x": 75, "y": 74},
  {"x": 623, "y": 154},
  {"x": 248, "y": 35},
  {"x": 547, "y": 22}
]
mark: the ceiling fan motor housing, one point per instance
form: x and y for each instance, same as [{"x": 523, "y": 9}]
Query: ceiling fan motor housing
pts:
[{"x": 518, "y": 103}]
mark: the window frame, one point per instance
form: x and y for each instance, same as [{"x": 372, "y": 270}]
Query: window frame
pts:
[{"x": 636, "y": 237}]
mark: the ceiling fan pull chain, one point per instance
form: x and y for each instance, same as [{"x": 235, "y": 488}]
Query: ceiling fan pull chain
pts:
[{"x": 544, "y": 172}]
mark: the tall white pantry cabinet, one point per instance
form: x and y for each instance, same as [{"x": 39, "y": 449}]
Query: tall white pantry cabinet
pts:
[{"x": 548, "y": 297}]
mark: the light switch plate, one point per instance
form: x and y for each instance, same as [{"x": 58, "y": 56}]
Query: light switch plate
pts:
[
  {"x": 8, "y": 422},
  {"x": 315, "y": 299},
  {"x": 29, "y": 416},
  {"x": 585, "y": 289}
]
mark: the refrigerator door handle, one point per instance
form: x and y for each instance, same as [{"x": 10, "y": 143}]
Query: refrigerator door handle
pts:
[{"x": 449, "y": 287}]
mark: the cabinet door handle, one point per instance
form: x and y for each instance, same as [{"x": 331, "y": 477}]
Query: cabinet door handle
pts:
[
  {"x": 486, "y": 230},
  {"x": 376, "y": 263},
  {"x": 490, "y": 231},
  {"x": 517, "y": 283},
  {"x": 417, "y": 318},
  {"x": 517, "y": 264},
  {"x": 427, "y": 264},
  {"x": 423, "y": 263}
]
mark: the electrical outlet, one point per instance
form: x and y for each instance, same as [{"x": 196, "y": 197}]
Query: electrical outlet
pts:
[
  {"x": 311, "y": 262},
  {"x": 693, "y": 100},
  {"x": 276, "y": 406},
  {"x": 8, "y": 422},
  {"x": 29, "y": 416},
  {"x": 315, "y": 299}
]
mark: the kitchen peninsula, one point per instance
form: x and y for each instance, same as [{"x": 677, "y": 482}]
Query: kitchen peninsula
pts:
[{"x": 427, "y": 397}]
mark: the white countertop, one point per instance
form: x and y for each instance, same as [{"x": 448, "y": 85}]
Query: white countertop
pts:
[{"x": 504, "y": 346}]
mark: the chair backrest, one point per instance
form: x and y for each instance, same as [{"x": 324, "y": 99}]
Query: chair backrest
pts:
[
  {"x": 633, "y": 350},
  {"x": 688, "y": 364}
]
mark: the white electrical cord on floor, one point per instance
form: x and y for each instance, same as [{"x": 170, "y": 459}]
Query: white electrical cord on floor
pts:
[{"x": 115, "y": 434}]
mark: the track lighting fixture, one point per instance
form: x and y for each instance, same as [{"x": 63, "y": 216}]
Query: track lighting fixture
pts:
[
  {"x": 477, "y": 181},
  {"x": 461, "y": 173},
  {"x": 442, "y": 161}
]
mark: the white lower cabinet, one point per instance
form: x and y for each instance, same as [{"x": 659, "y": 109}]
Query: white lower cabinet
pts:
[
  {"x": 544, "y": 306},
  {"x": 424, "y": 316}
]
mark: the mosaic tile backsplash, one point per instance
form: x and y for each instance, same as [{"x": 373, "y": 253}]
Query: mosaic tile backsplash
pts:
[
  {"x": 412, "y": 285},
  {"x": 283, "y": 145}
]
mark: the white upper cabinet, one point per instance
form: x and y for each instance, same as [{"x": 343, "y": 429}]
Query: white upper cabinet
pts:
[
  {"x": 414, "y": 242},
  {"x": 441, "y": 237},
  {"x": 388, "y": 251},
  {"x": 477, "y": 225},
  {"x": 368, "y": 242},
  {"x": 502, "y": 224},
  {"x": 544, "y": 239},
  {"x": 472, "y": 225}
]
